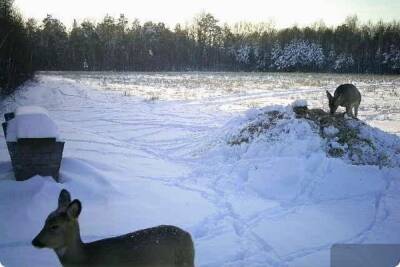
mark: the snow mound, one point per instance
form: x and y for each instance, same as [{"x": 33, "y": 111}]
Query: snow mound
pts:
[
  {"x": 349, "y": 139},
  {"x": 31, "y": 122},
  {"x": 299, "y": 103},
  {"x": 330, "y": 131}
]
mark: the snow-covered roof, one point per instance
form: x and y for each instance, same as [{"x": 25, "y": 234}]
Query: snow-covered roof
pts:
[
  {"x": 24, "y": 110},
  {"x": 31, "y": 122}
]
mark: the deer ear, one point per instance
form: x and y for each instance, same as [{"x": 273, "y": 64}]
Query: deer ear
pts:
[
  {"x": 74, "y": 209},
  {"x": 328, "y": 95},
  {"x": 64, "y": 199}
]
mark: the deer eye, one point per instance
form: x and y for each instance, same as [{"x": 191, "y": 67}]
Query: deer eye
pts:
[{"x": 54, "y": 227}]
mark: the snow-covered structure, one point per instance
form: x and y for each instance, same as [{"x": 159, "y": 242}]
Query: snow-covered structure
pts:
[
  {"x": 33, "y": 142},
  {"x": 299, "y": 103},
  {"x": 31, "y": 122}
]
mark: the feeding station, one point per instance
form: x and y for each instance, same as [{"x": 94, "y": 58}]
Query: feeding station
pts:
[{"x": 33, "y": 143}]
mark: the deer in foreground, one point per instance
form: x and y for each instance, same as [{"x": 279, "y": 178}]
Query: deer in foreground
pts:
[
  {"x": 161, "y": 246},
  {"x": 346, "y": 95}
]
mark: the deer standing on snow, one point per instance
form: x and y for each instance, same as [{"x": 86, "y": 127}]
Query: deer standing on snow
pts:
[
  {"x": 161, "y": 246},
  {"x": 346, "y": 95}
]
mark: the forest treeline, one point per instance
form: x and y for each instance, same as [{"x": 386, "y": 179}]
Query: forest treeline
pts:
[
  {"x": 16, "y": 49},
  {"x": 203, "y": 44}
]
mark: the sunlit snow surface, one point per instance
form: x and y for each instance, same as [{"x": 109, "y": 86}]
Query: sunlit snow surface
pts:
[{"x": 144, "y": 149}]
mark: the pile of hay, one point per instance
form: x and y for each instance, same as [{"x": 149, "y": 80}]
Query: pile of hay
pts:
[
  {"x": 343, "y": 137},
  {"x": 256, "y": 128}
]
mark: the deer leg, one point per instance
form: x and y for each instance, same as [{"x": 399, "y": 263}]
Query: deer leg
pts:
[
  {"x": 349, "y": 111},
  {"x": 356, "y": 110}
]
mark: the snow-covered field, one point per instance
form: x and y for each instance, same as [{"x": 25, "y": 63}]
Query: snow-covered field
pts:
[{"x": 144, "y": 149}]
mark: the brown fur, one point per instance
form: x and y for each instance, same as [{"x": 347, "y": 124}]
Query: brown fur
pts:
[
  {"x": 161, "y": 246},
  {"x": 346, "y": 95}
]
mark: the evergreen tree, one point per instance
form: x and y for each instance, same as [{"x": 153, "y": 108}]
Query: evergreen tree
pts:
[
  {"x": 15, "y": 49},
  {"x": 117, "y": 44}
]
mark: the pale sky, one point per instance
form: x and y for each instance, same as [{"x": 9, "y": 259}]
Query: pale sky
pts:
[{"x": 282, "y": 12}]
